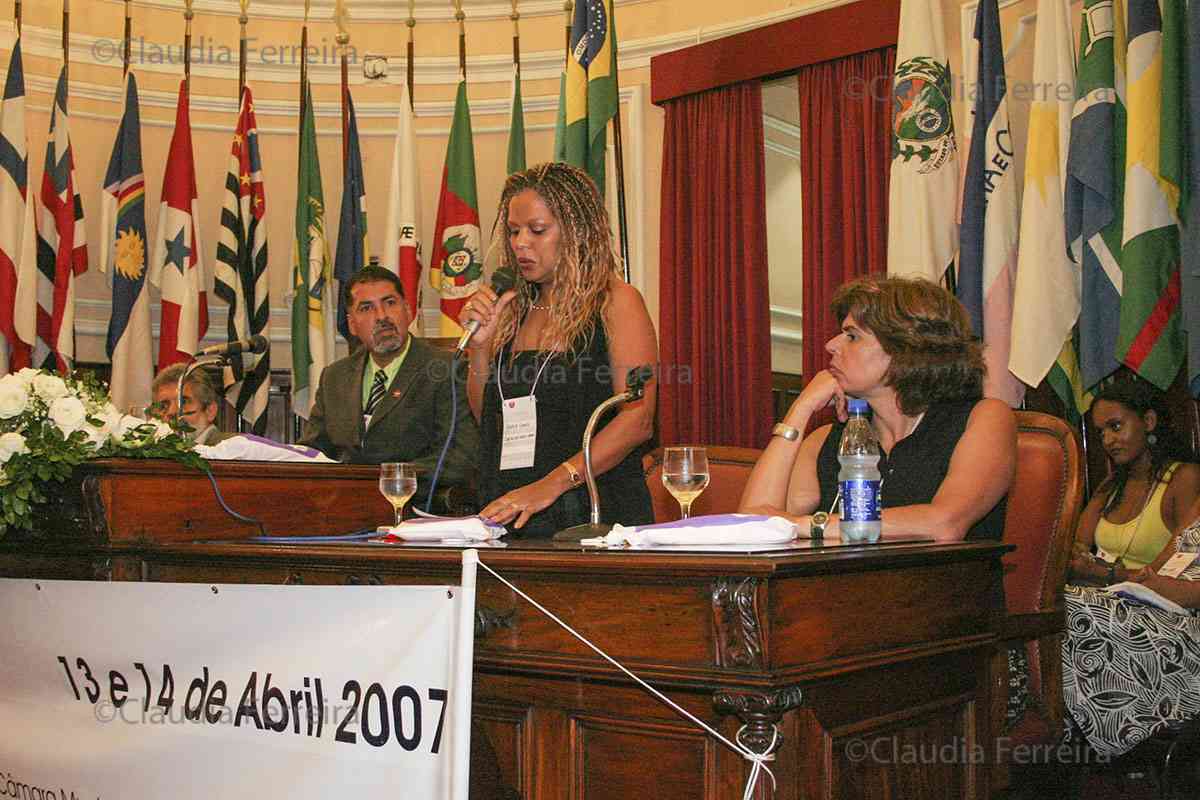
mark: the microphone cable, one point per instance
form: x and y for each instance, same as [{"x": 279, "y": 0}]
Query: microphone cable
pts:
[
  {"x": 437, "y": 470},
  {"x": 225, "y": 506}
]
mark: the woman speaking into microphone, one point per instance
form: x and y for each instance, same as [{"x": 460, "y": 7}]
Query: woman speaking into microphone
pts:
[{"x": 548, "y": 352}]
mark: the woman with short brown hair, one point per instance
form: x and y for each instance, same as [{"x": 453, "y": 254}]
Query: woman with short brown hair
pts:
[{"x": 948, "y": 455}]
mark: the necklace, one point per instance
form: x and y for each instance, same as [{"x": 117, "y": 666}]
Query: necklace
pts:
[{"x": 539, "y": 308}]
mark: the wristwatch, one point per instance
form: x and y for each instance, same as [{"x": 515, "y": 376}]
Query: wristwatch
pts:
[
  {"x": 816, "y": 528},
  {"x": 785, "y": 431},
  {"x": 575, "y": 477}
]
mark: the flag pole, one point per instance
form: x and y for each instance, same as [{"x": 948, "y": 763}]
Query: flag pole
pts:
[
  {"x": 619, "y": 156},
  {"x": 17, "y": 15},
  {"x": 243, "y": 18},
  {"x": 569, "y": 11},
  {"x": 516, "y": 21},
  {"x": 409, "y": 72},
  {"x": 125, "y": 51},
  {"x": 66, "y": 40},
  {"x": 303, "y": 66},
  {"x": 343, "y": 39},
  {"x": 187, "y": 44},
  {"x": 462, "y": 38}
]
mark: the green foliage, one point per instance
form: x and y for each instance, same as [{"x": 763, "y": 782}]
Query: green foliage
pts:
[{"x": 50, "y": 425}]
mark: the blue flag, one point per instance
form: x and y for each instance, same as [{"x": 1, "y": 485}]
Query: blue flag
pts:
[
  {"x": 1096, "y": 185},
  {"x": 351, "y": 253},
  {"x": 987, "y": 259},
  {"x": 123, "y": 204}
]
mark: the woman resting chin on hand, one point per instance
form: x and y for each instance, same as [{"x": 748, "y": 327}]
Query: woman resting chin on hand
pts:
[{"x": 948, "y": 456}]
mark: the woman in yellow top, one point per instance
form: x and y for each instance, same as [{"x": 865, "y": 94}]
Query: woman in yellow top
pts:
[{"x": 1146, "y": 496}]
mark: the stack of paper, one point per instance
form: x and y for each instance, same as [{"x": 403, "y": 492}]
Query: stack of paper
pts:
[{"x": 438, "y": 529}]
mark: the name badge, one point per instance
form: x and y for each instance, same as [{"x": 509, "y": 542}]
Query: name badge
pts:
[
  {"x": 520, "y": 432},
  {"x": 1176, "y": 564},
  {"x": 1106, "y": 557}
]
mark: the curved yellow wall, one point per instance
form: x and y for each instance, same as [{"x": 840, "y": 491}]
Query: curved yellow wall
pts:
[{"x": 645, "y": 27}]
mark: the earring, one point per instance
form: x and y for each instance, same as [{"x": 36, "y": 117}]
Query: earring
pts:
[{"x": 1152, "y": 438}]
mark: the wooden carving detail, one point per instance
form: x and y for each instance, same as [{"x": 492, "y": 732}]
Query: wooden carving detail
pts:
[
  {"x": 760, "y": 713},
  {"x": 95, "y": 521},
  {"x": 736, "y": 623},
  {"x": 488, "y": 620},
  {"x": 102, "y": 569}
]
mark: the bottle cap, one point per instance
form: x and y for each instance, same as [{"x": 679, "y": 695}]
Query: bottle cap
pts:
[{"x": 856, "y": 406}]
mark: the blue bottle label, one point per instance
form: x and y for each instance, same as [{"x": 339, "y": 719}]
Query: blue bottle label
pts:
[{"x": 860, "y": 500}]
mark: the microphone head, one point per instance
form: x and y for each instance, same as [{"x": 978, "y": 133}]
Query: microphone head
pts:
[
  {"x": 636, "y": 379},
  {"x": 503, "y": 279},
  {"x": 259, "y": 344}
]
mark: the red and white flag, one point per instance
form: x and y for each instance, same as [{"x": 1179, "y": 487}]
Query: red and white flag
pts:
[
  {"x": 61, "y": 244},
  {"x": 402, "y": 249},
  {"x": 177, "y": 268},
  {"x": 18, "y": 237}
]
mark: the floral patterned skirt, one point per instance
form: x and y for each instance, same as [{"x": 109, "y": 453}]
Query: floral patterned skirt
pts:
[{"x": 1129, "y": 670}]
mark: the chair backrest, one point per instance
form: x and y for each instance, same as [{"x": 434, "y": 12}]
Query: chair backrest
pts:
[
  {"x": 1043, "y": 508},
  {"x": 728, "y": 468}
]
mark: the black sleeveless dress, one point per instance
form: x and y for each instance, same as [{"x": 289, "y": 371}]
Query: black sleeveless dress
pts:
[
  {"x": 567, "y": 393},
  {"x": 916, "y": 467}
]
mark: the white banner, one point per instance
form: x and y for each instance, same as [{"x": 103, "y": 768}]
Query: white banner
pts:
[{"x": 157, "y": 690}]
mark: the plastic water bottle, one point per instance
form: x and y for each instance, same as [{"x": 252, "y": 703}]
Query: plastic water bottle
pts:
[{"x": 858, "y": 453}]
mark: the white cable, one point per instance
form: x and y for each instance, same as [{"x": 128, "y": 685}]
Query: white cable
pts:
[{"x": 757, "y": 760}]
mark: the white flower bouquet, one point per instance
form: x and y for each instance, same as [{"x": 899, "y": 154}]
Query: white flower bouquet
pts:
[{"x": 50, "y": 424}]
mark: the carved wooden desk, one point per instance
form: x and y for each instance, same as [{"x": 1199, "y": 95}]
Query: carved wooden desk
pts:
[{"x": 869, "y": 663}]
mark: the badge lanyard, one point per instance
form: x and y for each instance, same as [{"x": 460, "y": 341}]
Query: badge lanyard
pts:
[{"x": 520, "y": 421}]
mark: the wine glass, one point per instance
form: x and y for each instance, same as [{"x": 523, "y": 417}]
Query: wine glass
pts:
[
  {"x": 397, "y": 483},
  {"x": 685, "y": 474}
]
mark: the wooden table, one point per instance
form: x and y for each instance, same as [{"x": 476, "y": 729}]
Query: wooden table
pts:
[{"x": 865, "y": 665}]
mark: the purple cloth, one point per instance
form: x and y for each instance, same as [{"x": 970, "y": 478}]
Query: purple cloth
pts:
[
  {"x": 708, "y": 521},
  {"x": 295, "y": 448}
]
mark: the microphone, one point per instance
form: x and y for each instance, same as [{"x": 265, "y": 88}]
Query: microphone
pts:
[
  {"x": 635, "y": 389},
  {"x": 503, "y": 279},
  {"x": 636, "y": 380},
  {"x": 255, "y": 344}
]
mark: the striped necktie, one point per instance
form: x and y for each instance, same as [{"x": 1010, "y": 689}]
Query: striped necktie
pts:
[{"x": 378, "y": 390}]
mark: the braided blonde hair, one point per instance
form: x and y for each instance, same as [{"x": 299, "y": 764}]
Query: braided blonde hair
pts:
[{"x": 587, "y": 262}]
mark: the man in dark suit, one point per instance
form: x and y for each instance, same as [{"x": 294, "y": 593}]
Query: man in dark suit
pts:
[{"x": 390, "y": 400}]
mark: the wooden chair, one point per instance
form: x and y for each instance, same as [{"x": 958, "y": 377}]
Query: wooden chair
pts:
[
  {"x": 1043, "y": 510},
  {"x": 728, "y": 468}
]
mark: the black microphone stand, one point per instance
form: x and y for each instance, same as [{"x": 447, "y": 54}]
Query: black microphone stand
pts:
[{"x": 635, "y": 387}]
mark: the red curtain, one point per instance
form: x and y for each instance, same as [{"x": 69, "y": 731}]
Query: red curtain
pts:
[
  {"x": 845, "y": 159},
  {"x": 715, "y": 385}
]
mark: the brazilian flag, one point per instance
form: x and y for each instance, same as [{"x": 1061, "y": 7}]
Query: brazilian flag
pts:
[{"x": 590, "y": 92}]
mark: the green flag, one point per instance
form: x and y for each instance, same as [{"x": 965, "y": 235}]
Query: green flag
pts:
[
  {"x": 590, "y": 93},
  {"x": 457, "y": 264},
  {"x": 1150, "y": 341},
  {"x": 312, "y": 279},
  {"x": 516, "y": 127}
]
